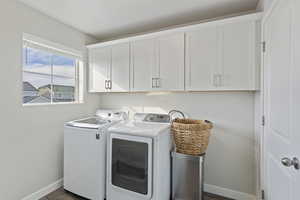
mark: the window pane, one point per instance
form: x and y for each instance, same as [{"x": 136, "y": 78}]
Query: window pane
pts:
[
  {"x": 64, "y": 78},
  {"x": 36, "y": 76}
]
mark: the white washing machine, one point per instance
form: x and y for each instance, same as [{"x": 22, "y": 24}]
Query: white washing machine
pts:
[
  {"x": 85, "y": 153},
  {"x": 138, "y": 159}
]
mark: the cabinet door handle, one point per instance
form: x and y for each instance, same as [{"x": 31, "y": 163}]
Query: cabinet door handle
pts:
[
  {"x": 157, "y": 82},
  {"x": 220, "y": 82},
  {"x": 153, "y": 82},
  {"x": 215, "y": 82},
  {"x": 109, "y": 84},
  {"x": 106, "y": 87}
]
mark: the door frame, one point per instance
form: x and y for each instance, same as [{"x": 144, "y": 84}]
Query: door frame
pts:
[{"x": 262, "y": 136}]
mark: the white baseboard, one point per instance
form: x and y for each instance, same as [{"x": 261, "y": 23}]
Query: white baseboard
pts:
[
  {"x": 44, "y": 191},
  {"x": 228, "y": 193}
]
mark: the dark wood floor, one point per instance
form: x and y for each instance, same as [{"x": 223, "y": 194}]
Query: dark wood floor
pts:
[{"x": 61, "y": 194}]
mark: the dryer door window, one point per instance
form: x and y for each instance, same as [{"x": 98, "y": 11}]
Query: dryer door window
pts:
[{"x": 129, "y": 166}]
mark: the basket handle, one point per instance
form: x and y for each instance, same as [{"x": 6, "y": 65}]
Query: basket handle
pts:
[
  {"x": 208, "y": 121},
  {"x": 172, "y": 112}
]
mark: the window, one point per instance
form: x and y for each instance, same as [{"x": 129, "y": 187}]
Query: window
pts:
[{"x": 51, "y": 73}]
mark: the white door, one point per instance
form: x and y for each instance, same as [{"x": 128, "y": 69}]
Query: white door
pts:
[
  {"x": 201, "y": 59},
  {"x": 143, "y": 55},
  {"x": 296, "y": 94},
  {"x": 238, "y": 56},
  {"x": 120, "y": 59},
  {"x": 99, "y": 61},
  {"x": 282, "y": 97},
  {"x": 171, "y": 62}
]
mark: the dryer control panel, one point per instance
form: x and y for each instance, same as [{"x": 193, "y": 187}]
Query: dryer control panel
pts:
[{"x": 152, "y": 117}]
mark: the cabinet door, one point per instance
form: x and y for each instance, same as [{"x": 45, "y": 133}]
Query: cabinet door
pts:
[
  {"x": 143, "y": 56},
  {"x": 99, "y": 63},
  {"x": 201, "y": 59},
  {"x": 239, "y": 65},
  {"x": 171, "y": 62},
  {"x": 120, "y": 68}
]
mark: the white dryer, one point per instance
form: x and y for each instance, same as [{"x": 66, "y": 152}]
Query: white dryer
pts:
[
  {"x": 85, "y": 153},
  {"x": 138, "y": 158}
]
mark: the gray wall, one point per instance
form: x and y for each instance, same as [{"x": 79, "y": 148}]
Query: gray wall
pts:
[
  {"x": 31, "y": 138},
  {"x": 231, "y": 156},
  {"x": 264, "y": 5}
]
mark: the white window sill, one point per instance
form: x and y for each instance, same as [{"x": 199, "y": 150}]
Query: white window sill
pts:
[{"x": 52, "y": 104}]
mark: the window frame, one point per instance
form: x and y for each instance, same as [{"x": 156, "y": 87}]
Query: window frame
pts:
[{"x": 59, "y": 50}]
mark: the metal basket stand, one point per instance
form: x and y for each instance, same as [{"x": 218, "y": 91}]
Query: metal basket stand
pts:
[{"x": 187, "y": 176}]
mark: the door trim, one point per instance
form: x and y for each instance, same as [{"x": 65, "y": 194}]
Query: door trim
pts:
[{"x": 262, "y": 163}]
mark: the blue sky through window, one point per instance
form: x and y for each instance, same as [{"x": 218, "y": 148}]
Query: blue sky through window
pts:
[
  {"x": 42, "y": 58},
  {"x": 48, "y": 76},
  {"x": 42, "y": 67}
]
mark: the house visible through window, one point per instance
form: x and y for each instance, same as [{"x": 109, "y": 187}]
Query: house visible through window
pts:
[{"x": 50, "y": 75}]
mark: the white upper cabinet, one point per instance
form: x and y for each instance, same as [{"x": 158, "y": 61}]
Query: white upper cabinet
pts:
[
  {"x": 218, "y": 55},
  {"x": 239, "y": 56},
  {"x": 222, "y": 57},
  {"x": 201, "y": 59},
  {"x": 99, "y": 69},
  {"x": 144, "y": 64},
  {"x": 109, "y": 68},
  {"x": 158, "y": 63},
  {"x": 120, "y": 61},
  {"x": 171, "y": 62}
]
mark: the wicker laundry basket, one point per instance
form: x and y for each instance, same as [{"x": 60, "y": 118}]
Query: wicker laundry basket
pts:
[{"x": 191, "y": 136}]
